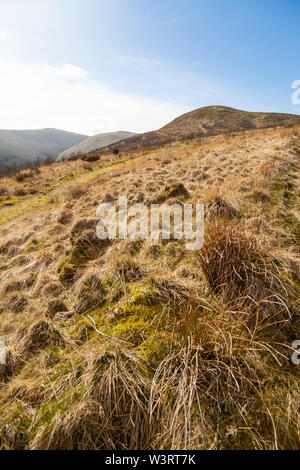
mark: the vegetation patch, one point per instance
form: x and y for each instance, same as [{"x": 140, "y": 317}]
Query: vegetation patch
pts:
[
  {"x": 42, "y": 335},
  {"x": 91, "y": 295},
  {"x": 235, "y": 264},
  {"x": 170, "y": 191},
  {"x": 7, "y": 201},
  {"x": 85, "y": 247}
]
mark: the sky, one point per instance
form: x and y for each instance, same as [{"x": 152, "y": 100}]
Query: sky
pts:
[{"x": 93, "y": 66}]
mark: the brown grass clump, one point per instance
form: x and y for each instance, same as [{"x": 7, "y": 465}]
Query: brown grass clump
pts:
[
  {"x": 91, "y": 294},
  {"x": 65, "y": 217},
  {"x": 56, "y": 306},
  {"x": 18, "y": 284},
  {"x": 83, "y": 224},
  {"x": 10, "y": 246},
  {"x": 219, "y": 208},
  {"x": 12, "y": 362},
  {"x": 112, "y": 413},
  {"x": 42, "y": 335},
  {"x": 236, "y": 265},
  {"x": 22, "y": 175},
  {"x": 195, "y": 387},
  {"x": 3, "y": 191},
  {"x": 127, "y": 269},
  {"x": 19, "y": 191},
  {"x": 86, "y": 246},
  {"x": 18, "y": 303},
  {"x": 170, "y": 191},
  {"x": 170, "y": 291},
  {"x": 215, "y": 391},
  {"x": 76, "y": 191}
]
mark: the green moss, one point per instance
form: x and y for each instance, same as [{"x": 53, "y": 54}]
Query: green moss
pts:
[
  {"x": 19, "y": 421},
  {"x": 10, "y": 213},
  {"x": 147, "y": 312},
  {"x": 133, "y": 329},
  {"x": 68, "y": 268},
  {"x": 52, "y": 409},
  {"x": 173, "y": 254},
  {"x": 142, "y": 295},
  {"x": 35, "y": 245},
  {"x": 291, "y": 224},
  {"x": 82, "y": 331},
  {"x": 133, "y": 320},
  {"x": 258, "y": 196},
  {"x": 156, "y": 347},
  {"x": 6, "y": 201}
]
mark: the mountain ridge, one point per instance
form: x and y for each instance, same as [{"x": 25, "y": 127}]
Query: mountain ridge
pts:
[
  {"x": 94, "y": 142},
  {"x": 20, "y": 148},
  {"x": 205, "y": 122}
]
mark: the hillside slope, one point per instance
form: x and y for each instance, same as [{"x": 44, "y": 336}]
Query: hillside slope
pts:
[
  {"x": 204, "y": 122},
  {"x": 141, "y": 344},
  {"x": 95, "y": 142},
  {"x": 18, "y": 147}
]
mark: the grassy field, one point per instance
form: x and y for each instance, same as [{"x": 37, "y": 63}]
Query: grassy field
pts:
[{"x": 135, "y": 344}]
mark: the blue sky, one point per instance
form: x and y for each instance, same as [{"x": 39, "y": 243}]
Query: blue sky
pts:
[{"x": 99, "y": 65}]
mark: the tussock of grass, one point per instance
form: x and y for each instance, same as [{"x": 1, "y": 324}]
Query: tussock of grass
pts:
[
  {"x": 236, "y": 265},
  {"x": 85, "y": 247},
  {"x": 112, "y": 413},
  {"x": 41, "y": 335},
  {"x": 170, "y": 191},
  {"x": 219, "y": 208},
  {"x": 91, "y": 294}
]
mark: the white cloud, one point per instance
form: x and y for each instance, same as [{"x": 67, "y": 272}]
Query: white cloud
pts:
[
  {"x": 3, "y": 34},
  {"x": 36, "y": 96},
  {"x": 68, "y": 71}
]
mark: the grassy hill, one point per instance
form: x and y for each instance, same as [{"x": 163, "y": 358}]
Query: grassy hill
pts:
[
  {"x": 95, "y": 142},
  {"x": 205, "y": 122},
  {"x": 18, "y": 148},
  {"x": 141, "y": 344}
]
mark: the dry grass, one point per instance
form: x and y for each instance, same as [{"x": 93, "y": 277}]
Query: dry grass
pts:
[
  {"x": 236, "y": 265},
  {"x": 112, "y": 412},
  {"x": 141, "y": 345}
]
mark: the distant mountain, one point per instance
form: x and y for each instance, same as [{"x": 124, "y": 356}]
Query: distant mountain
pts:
[
  {"x": 93, "y": 143},
  {"x": 19, "y": 148},
  {"x": 204, "y": 122}
]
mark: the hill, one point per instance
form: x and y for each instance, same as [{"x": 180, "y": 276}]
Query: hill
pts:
[
  {"x": 20, "y": 147},
  {"x": 205, "y": 122},
  {"x": 95, "y": 142},
  {"x": 140, "y": 343}
]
